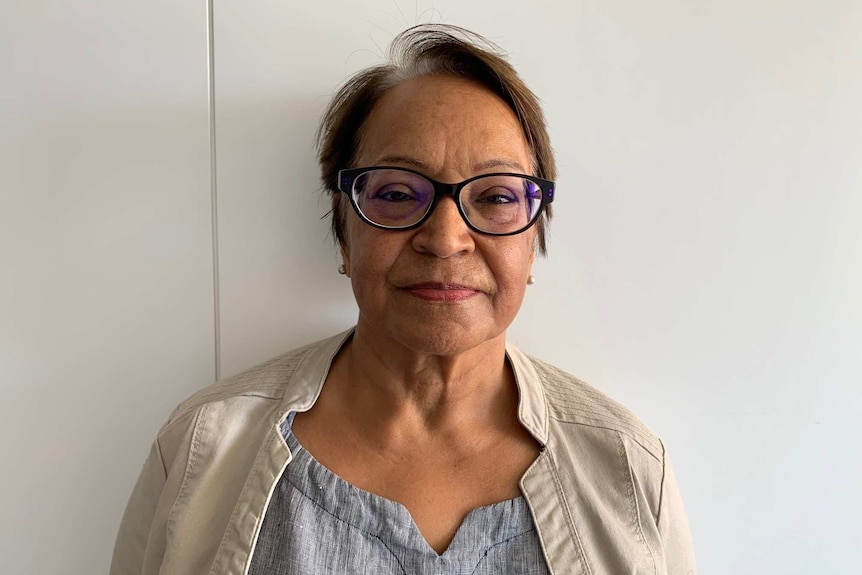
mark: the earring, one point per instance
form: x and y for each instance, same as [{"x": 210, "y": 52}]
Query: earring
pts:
[
  {"x": 531, "y": 279},
  {"x": 342, "y": 270}
]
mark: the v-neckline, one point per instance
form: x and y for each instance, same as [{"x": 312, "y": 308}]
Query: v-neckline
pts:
[{"x": 390, "y": 520}]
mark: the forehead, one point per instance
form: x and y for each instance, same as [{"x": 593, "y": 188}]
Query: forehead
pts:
[{"x": 444, "y": 123}]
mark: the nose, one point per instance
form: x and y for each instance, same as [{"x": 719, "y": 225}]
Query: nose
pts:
[{"x": 445, "y": 233}]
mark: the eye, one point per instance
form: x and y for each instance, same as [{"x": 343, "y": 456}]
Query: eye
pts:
[
  {"x": 395, "y": 194},
  {"x": 497, "y": 195}
]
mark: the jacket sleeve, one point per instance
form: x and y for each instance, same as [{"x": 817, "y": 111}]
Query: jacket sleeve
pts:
[
  {"x": 673, "y": 527},
  {"x": 130, "y": 549},
  {"x": 142, "y": 537}
]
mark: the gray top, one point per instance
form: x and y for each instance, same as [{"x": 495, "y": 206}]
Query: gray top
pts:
[{"x": 319, "y": 523}]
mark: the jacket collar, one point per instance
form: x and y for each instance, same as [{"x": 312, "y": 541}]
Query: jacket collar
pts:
[{"x": 532, "y": 404}]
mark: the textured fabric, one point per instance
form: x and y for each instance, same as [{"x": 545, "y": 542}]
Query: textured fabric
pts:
[
  {"x": 601, "y": 493},
  {"x": 319, "y": 523}
]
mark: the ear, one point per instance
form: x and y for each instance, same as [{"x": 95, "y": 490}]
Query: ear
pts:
[
  {"x": 535, "y": 249},
  {"x": 343, "y": 247},
  {"x": 345, "y": 258}
]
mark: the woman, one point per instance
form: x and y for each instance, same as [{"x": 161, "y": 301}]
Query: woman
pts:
[{"x": 418, "y": 442}]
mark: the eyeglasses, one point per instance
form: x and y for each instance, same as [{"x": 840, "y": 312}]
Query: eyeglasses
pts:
[{"x": 400, "y": 199}]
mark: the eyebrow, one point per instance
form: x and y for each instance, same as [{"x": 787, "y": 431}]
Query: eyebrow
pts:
[
  {"x": 420, "y": 165},
  {"x": 499, "y": 163},
  {"x": 396, "y": 159}
]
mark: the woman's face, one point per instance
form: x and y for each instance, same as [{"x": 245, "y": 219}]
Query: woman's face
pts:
[{"x": 440, "y": 288}]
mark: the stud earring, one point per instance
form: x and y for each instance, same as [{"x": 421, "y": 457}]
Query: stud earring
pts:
[
  {"x": 342, "y": 270},
  {"x": 531, "y": 279}
]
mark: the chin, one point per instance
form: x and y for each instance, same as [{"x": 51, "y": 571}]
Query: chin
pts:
[{"x": 446, "y": 339}]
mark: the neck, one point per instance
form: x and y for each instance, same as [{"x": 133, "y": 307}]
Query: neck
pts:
[{"x": 392, "y": 386}]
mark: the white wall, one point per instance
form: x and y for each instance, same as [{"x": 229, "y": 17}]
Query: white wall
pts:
[
  {"x": 705, "y": 262},
  {"x": 106, "y": 297}
]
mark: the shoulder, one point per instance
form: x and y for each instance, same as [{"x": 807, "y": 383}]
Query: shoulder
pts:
[
  {"x": 243, "y": 408},
  {"x": 261, "y": 388},
  {"x": 267, "y": 380},
  {"x": 574, "y": 405}
]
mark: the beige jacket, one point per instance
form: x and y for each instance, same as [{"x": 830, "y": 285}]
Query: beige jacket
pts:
[{"x": 601, "y": 492}]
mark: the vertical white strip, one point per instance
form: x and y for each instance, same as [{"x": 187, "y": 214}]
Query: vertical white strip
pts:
[{"x": 213, "y": 186}]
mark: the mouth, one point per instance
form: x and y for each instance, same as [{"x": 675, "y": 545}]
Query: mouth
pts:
[{"x": 444, "y": 292}]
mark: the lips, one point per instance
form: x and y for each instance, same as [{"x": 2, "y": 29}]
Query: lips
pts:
[{"x": 445, "y": 292}]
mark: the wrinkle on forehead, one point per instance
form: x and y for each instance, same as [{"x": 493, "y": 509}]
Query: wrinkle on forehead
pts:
[
  {"x": 446, "y": 126},
  {"x": 417, "y": 164}
]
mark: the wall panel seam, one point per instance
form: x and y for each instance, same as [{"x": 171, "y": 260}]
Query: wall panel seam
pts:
[{"x": 213, "y": 187}]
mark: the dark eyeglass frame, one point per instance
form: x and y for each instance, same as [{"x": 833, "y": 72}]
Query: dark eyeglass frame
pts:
[{"x": 347, "y": 177}]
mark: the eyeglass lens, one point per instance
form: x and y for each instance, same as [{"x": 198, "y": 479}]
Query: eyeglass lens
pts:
[{"x": 495, "y": 204}]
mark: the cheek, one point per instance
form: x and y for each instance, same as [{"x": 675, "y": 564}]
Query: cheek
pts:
[
  {"x": 352, "y": 250},
  {"x": 369, "y": 253},
  {"x": 516, "y": 259}
]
